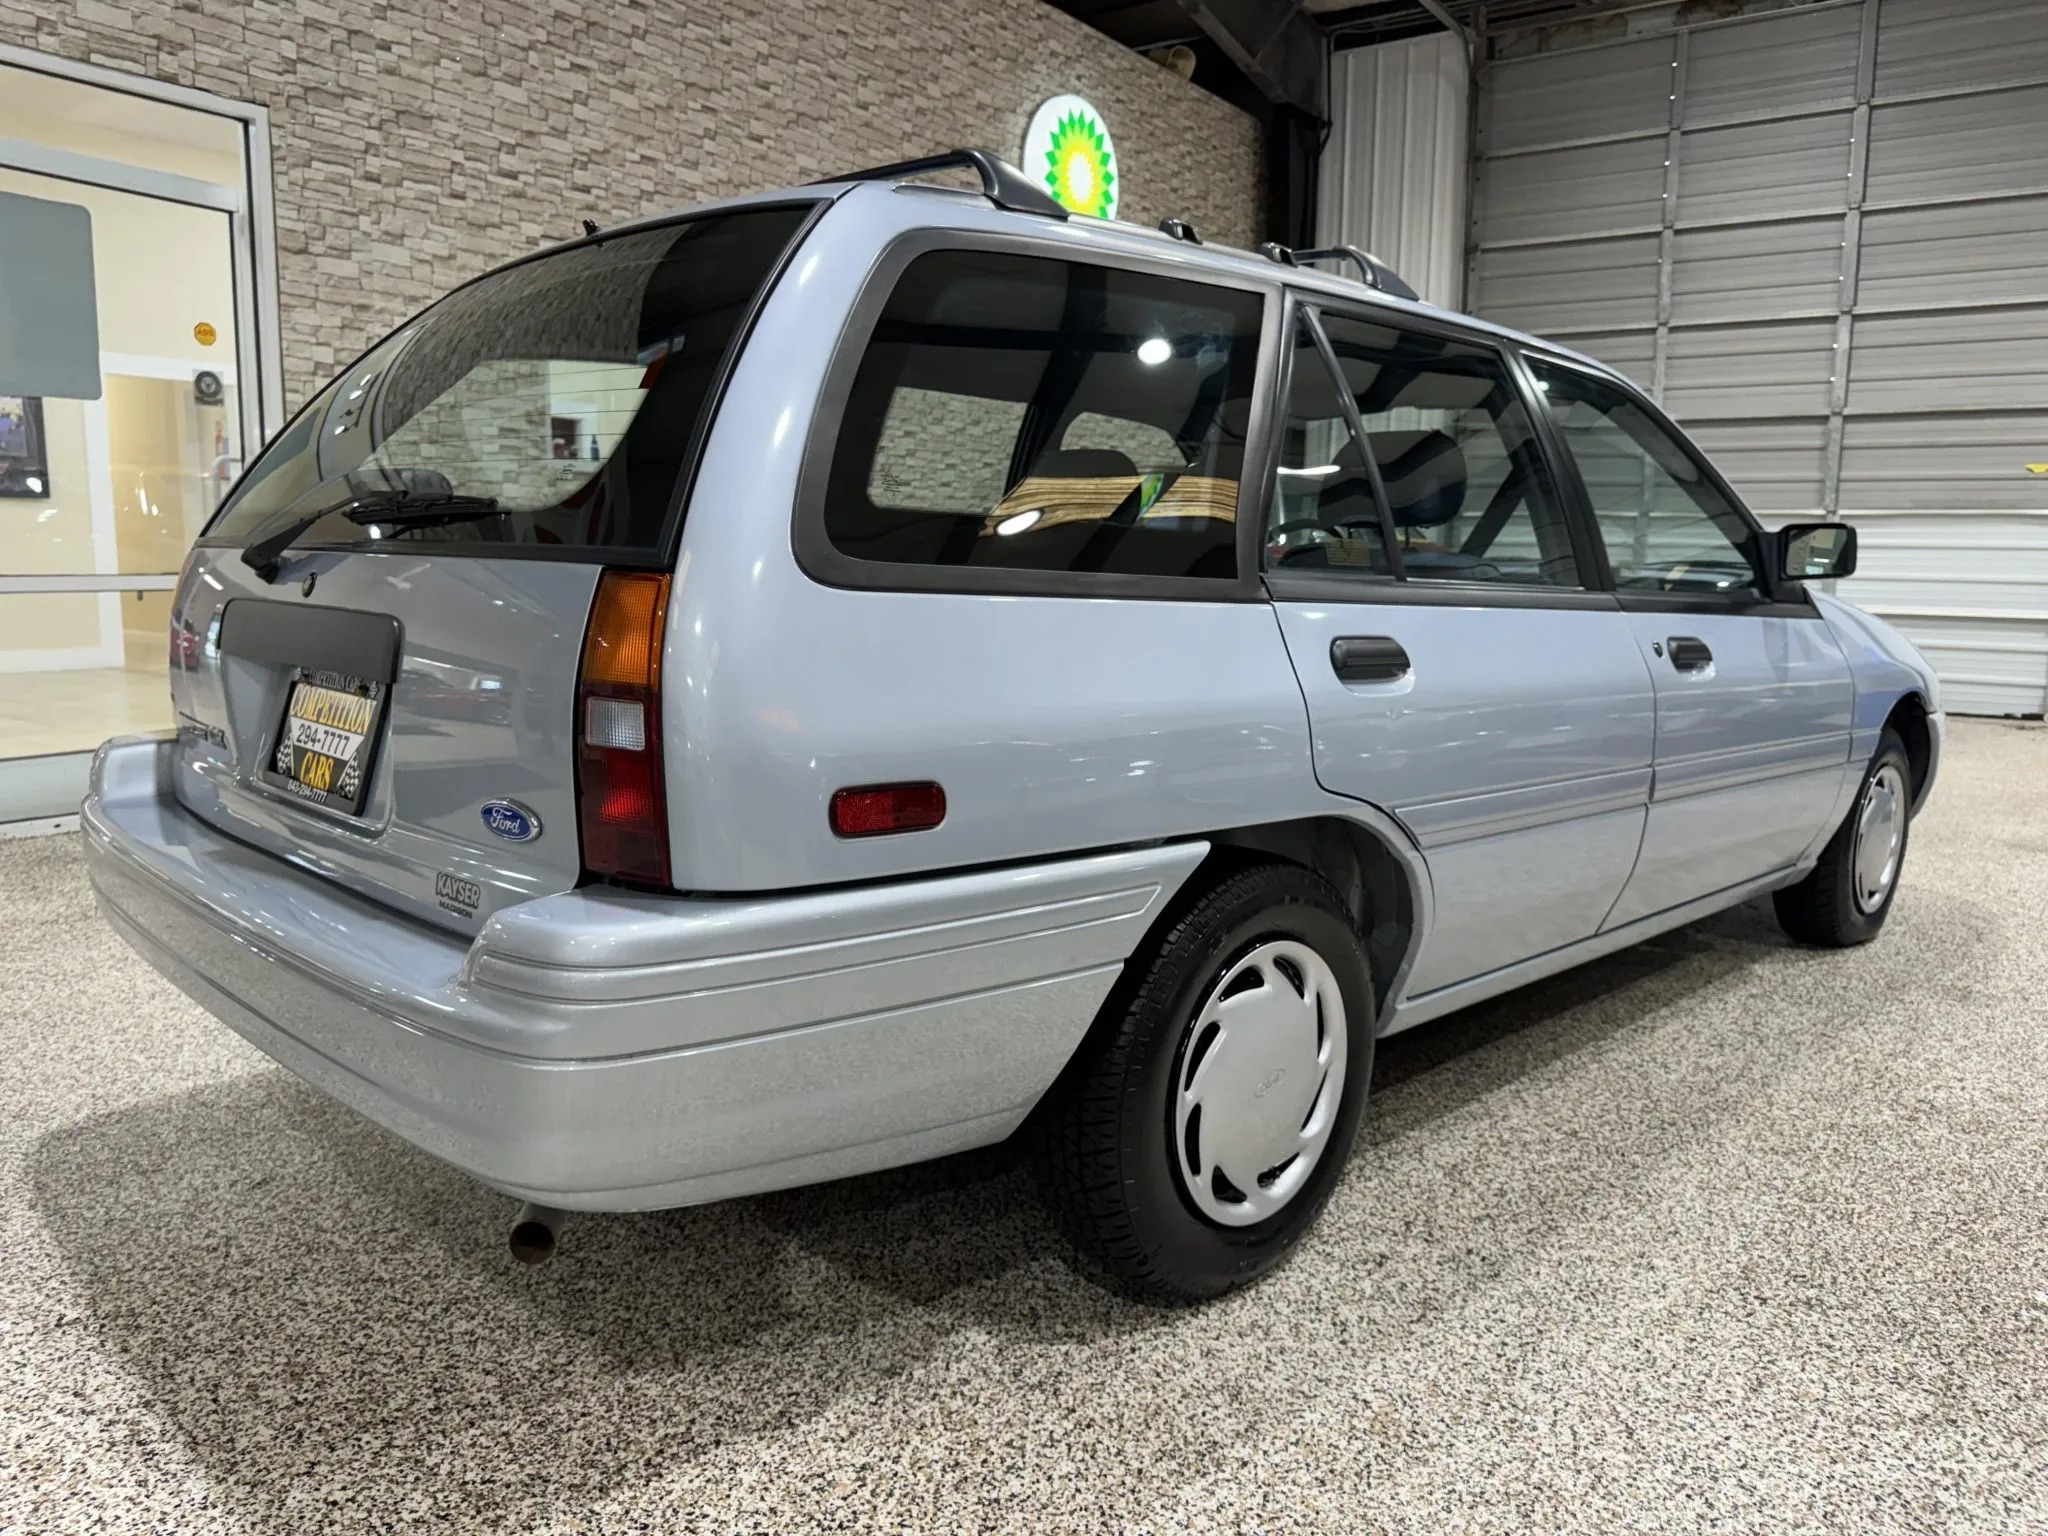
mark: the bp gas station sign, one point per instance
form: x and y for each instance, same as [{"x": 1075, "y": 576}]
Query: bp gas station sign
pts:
[{"x": 1069, "y": 151}]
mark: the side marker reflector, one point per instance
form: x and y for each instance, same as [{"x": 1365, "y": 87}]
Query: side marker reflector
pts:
[{"x": 873, "y": 810}]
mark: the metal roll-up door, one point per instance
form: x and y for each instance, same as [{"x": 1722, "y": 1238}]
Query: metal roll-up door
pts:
[{"x": 1816, "y": 233}]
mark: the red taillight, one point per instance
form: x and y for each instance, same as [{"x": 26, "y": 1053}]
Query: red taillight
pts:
[
  {"x": 620, "y": 798},
  {"x": 877, "y": 808}
]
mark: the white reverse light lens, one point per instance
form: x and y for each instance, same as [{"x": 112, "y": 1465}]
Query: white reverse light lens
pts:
[
  {"x": 1154, "y": 350},
  {"x": 617, "y": 723},
  {"x": 1018, "y": 522}
]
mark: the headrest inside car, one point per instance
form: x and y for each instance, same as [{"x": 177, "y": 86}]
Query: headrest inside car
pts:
[
  {"x": 1084, "y": 464},
  {"x": 1424, "y": 474}
]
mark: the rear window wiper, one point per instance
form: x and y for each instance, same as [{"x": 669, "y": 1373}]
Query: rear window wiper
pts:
[
  {"x": 427, "y": 512},
  {"x": 266, "y": 555}
]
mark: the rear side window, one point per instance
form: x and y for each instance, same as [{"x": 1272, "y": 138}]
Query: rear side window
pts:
[
  {"x": 1030, "y": 414},
  {"x": 572, "y": 390},
  {"x": 919, "y": 465}
]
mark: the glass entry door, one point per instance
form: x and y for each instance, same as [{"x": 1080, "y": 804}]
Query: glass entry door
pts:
[{"x": 126, "y": 406}]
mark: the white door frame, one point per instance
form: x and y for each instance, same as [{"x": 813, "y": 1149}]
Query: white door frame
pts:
[
  {"x": 251, "y": 207},
  {"x": 43, "y": 787}
]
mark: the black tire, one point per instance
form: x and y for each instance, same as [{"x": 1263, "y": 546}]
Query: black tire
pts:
[
  {"x": 1823, "y": 909},
  {"x": 1107, "y": 1155}
]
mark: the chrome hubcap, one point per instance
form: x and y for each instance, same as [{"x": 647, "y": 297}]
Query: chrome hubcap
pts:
[
  {"x": 1258, "y": 1085},
  {"x": 1880, "y": 834}
]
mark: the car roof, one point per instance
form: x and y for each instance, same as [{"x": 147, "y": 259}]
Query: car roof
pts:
[
  {"x": 1109, "y": 235},
  {"x": 1141, "y": 239}
]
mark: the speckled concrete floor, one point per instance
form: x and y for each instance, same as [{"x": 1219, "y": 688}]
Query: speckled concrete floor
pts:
[{"x": 1716, "y": 1235}]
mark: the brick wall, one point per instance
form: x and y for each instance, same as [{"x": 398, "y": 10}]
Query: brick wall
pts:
[{"x": 415, "y": 145}]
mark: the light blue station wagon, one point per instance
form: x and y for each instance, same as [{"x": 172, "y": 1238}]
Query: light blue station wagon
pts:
[{"x": 838, "y": 677}]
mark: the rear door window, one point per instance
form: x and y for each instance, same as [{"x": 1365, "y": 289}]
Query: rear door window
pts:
[
  {"x": 1025, "y": 413},
  {"x": 1466, "y": 483},
  {"x": 572, "y": 390},
  {"x": 1325, "y": 515}
]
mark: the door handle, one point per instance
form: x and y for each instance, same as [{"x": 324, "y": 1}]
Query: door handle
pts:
[
  {"x": 1368, "y": 659},
  {"x": 1689, "y": 653}
]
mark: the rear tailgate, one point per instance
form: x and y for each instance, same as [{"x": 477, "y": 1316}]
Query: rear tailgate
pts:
[
  {"x": 469, "y": 798},
  {"x": 375, "y": 646}
]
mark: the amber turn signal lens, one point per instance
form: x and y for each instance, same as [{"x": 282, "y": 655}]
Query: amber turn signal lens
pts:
[
  {"x": 622, "y": 798},
  {"x": 622, "y": 647}
]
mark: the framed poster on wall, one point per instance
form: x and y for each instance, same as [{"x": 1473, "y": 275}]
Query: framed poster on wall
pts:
[{"x": 24, "y": 458}]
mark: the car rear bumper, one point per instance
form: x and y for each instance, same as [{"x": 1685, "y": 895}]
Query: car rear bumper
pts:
[{"x": 606, "y": 1050}]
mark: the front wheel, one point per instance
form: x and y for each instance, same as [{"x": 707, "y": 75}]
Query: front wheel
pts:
[
  {"x": 1846, "y": 898},
  {"x": 1199, "y": 1131}
]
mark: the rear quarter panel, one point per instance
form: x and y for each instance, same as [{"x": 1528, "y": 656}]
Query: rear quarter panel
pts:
[{"x": 1053, "y": 723}]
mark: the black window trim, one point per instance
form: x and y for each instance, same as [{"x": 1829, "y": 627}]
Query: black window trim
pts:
[
  {"x": 1773, "y": 599},
  {"x": 652, "y": 558},
  {"x": 1594, "y": 591},
  {"x": 825, "y": 563},
  {"x": 1390, "y": 536},
  {"x": 1564, "y": 475}
]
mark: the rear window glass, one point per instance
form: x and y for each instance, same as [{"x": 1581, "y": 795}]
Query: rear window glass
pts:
[
  {"x": 1026, "y": 413},
  {"x": 571, "y": 389}
]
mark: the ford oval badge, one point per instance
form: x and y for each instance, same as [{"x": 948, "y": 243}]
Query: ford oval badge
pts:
[{"x": 511, "y": 821}]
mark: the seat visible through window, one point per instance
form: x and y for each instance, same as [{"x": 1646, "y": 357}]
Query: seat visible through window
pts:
[{"x": 1467, "y": 490}]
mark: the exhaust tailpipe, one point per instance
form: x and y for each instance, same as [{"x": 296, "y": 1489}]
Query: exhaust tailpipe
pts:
[{"x": 535, "y": 1232}]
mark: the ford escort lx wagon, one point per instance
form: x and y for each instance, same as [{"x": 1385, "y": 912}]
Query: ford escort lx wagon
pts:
[{"x": 837, "y": 677}]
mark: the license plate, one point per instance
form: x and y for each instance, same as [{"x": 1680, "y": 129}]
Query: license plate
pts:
[{"x": 327, "y": 738}]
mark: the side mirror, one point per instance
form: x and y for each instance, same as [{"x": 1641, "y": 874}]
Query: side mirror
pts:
[{"x": 1816, "y": 551}]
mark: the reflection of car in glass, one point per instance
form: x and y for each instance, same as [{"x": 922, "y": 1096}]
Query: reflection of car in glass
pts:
[{"x": 834, "y": 678}]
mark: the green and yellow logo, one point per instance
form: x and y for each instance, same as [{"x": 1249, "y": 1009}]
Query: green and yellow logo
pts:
[
  {"x": 1069, "y": 147},
  {"x": 1079, "y": 169}
]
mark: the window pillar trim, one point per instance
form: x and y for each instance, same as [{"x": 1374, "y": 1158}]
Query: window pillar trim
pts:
[{"x": 1359, "y": 438}]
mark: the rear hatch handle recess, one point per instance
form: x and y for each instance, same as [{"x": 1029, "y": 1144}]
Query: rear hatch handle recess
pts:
[{"x": 398, "y": 507}]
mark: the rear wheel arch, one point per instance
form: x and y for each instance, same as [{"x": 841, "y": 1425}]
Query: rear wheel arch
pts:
[{"x": 1385, "y": 891}]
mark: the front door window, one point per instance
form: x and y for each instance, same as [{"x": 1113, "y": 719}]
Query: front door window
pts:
[{"x": 1666, "y": 527}]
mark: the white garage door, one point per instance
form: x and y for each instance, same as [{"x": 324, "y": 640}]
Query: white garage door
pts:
[{"x": 1819, "y": 235}]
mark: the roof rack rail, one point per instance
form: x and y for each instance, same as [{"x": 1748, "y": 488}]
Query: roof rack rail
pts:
[
  {"x": 1001, "y": 182},
  {"x": 1371, "y": 270}
]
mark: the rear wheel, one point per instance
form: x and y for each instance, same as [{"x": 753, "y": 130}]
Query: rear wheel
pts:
[
  {"x": 1847, "y": 897},
  {"x": 1199, "y": 1131}
]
